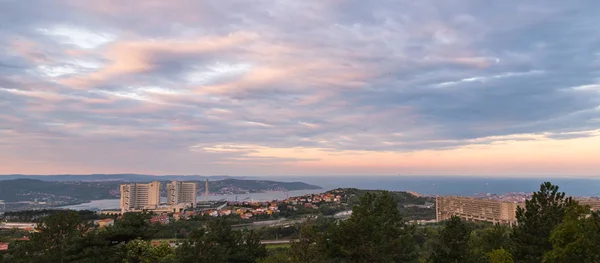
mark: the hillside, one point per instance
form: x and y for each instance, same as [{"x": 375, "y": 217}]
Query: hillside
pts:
[
  {"x": 236, "y": 186},
  {"x": 413, "y": 207},
  {"x": 44, "y": 191},
  {"x": 78, "y": 191}
]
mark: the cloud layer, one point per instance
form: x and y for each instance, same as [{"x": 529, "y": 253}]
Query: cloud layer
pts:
[{"x": 299, "y": 87}]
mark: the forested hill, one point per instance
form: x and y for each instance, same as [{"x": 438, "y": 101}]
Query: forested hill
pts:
[
  {"x": 254, "y": 186},
  {"x": 77, "y": 191},
  {"x": 402, "y": 198},
  {"x": 30, "y": 190}
]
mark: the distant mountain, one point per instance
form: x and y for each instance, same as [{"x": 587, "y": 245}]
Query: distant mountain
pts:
[{"x": 112, "y": 177}]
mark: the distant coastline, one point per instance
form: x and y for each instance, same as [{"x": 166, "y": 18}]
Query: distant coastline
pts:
[{"x": 265, "y": 196}]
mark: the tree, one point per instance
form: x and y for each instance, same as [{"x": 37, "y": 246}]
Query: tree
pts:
[
  {"x": 140, "y": 251},
  {"x": 500, "y": 256},
  {"x": 218, "y": 243},
  {"x": 277, "y": 257},
  {"x": 453, "y": 241},
  {"x": 484, "y": 241},
  {"x": 577, "y": 238},
  {"x": 375, "y": 232},
  {"x": 56, "y": 238},
  {"x": 251, "y": 248},
  {"x": 542, "y": 213},
  {"x": 311, "y": 245},
  {"x": 130, "y": 227}
]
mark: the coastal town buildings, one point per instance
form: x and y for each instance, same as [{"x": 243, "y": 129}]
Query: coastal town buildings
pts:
[
  {"x": 476, "y": 209},
  {"x": 138, "y": 196},
  {"x": 181, "y": 193}
]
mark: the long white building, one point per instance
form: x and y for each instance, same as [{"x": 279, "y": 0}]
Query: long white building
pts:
[
  {"x": 181, "y": 193},
  {"x": 139, "y": 196}
]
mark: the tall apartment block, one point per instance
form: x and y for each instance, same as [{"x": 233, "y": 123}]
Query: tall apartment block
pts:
[
  {"x": 476, "y": 209},
  {"x": 138, "y": 196},
  {"x": 181, "y": 193}
]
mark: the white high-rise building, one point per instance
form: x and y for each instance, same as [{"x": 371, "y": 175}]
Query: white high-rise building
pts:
[
  {"x": 138, "y": 196},
  {"x": 181, "y": 193}
]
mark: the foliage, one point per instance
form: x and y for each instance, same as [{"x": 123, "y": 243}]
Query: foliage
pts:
[
  {"x": 453, "y": 241},
  {"x": 56, "y": 239},
  {"x": 484, "y": 241},
  {"x": 500, "y": 256},
  {"x": 379, "y": 233},
  {"x": 541, "y": 215},
  {"x": 577, "y": 238},
  {"x": 140, "y": 251},
  {"x": 37, "y": 215},
  {"x": 219, "y": 243}
]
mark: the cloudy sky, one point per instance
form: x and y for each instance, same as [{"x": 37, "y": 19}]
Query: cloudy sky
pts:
[{"x": 287, "y": 87}]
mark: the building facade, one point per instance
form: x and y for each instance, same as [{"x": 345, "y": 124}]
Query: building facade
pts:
[
  {"x": 476, "y": 209},
  {"x": 181, "y": 193},
  {"x": 139, "y": 196}
]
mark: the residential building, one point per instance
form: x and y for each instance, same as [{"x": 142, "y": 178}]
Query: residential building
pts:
[
  {"x": 476, "y": 209},
  {"x": 593, "y": 203},
  {"x": 181, "y": 193},
  {"x": 138, "y": 196},
  {"x": 162, "y": 219}
]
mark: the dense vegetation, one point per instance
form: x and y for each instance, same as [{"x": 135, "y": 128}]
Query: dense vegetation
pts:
[
  {"x": 551, "y": 228},
  {"x": 255, "y": 186},
  {"x": 37, "y": 215}
]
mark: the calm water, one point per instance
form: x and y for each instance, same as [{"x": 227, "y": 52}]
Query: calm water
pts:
[
  {"x": 450, "y": 185},
  {"x": 114, "y": 203}
]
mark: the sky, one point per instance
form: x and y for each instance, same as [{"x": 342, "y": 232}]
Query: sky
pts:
[{"x": 315, "y": 87}]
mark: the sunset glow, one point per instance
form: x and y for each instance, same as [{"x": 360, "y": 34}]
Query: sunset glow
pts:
[{"x": 337, "y": 87}]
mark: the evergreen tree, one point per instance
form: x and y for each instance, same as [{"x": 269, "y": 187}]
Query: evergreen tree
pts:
[
  {"x": 375, "y": 232},
  {"x": 577, "y": 238},
  {"x": 452, "y": 246},
  {"x": 140, "y": 251},
  {"x": 218, "y": 243},
  {"x": 542, "y": 213},
  {"x": 484, "y": 241}
]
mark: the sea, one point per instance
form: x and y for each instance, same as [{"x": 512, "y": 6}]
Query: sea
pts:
[{"x": 426, "y": 185}]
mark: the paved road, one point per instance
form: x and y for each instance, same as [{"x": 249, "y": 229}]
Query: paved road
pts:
[{"x": 283, "y": 241}]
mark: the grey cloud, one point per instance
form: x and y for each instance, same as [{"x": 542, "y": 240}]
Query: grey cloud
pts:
[{"x": 405, "y": 49}]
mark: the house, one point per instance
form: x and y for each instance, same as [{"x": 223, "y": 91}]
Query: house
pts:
[
  {"x": 163, "y": 219},
  {"x": 246, "y": 216},
  {"x": 225, "y": 212},
  {"x": 104, "y": 222},
  {"x": 176, "y": 216},
  {"x": 3, "y": 246}
]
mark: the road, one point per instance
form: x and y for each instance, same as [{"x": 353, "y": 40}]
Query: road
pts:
[{"x": 282, "y": 241}]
